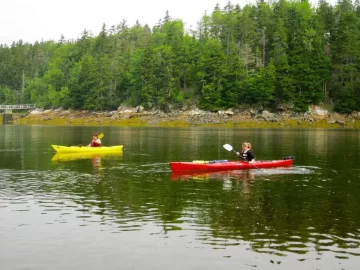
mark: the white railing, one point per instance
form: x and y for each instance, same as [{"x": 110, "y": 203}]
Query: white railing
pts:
[{"x": 17, "y": 106}]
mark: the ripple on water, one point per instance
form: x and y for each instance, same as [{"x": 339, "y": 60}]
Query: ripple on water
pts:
[
  {"x": 72, "y": 195},
  {"x": 290, "y": 170}
]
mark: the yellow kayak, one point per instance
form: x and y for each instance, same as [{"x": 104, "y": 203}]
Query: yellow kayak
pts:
[
  {"x": 86, "y": 155},
  {"x": 87, "y": 149}
]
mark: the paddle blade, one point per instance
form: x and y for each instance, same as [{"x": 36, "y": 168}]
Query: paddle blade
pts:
[
  {"x": 101, "y": 135},
  {"x": 228, "y": 147}
]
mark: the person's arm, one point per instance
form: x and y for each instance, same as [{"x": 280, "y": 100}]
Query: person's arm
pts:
[
  {"x": 96, "y": 143},
  {"x": 240, "y": 156},
  {"x": 251, "y": 155}
]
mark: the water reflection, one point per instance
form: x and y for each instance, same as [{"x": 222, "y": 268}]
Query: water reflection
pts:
[
  {"x": 304, "y": 217},
  {"x": 217, "y": 175},
  {"x": 240, "y": 174},
  {"x": 224, "y": 210},
  {"x": 96, "y": 157}
]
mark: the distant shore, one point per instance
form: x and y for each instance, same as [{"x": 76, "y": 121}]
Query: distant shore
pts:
[{"x": 196, "y": 117}]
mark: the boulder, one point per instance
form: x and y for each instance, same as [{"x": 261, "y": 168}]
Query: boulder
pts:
[
  {"x": 316, "y": 110},
  {"x": 36, "y": 111},
  {"x": 126, "y": 109},
  {"x": 356, "y": 115},
  {"x": 139, "y": 109}
]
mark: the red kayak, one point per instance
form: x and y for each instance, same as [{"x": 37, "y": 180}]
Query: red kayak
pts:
[{"x": 222, "y": 165}]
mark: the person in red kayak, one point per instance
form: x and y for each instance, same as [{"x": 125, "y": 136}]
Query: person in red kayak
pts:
[
  {"x": 95, "y": 142},
  {"x": 246, "y": 154}
]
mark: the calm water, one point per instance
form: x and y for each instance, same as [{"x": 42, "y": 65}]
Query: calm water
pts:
[{"x": 130, "y": 212}]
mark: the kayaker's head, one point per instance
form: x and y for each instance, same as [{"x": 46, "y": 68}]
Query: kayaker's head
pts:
[
  {"x": 95, "y": 136},
  {"x": 246, "y": 145}
]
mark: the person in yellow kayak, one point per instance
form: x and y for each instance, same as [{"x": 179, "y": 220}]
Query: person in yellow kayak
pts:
[
  {"x": 95, "y": 142},
  {"x": 246, "y": 153}
]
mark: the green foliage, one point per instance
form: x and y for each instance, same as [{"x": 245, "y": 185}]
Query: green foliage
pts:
[
  {"x": 212, "y": 74},
  {"x": 301, "y": 104},
  {"x": 36, "y": 91},
  {"x": 259, "y": 87},
  {"x": 260, "y": 54},
  {"x": 347, "y": 105},
  {"x": 8, "y": 96}
]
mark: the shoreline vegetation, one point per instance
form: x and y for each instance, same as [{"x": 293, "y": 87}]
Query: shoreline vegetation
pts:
[
  {"x": 315, "y": 117},
  {"x": 283, "y": 55}
]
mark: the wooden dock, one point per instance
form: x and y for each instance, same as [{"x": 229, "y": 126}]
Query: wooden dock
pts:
[{"x": 7, "y": 115}]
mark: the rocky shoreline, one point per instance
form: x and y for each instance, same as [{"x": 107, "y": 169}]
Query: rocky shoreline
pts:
[{"x": 316, "y": 117}]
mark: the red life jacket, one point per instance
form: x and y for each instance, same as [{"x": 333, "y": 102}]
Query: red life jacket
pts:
[{"x": 95, "y": 144}]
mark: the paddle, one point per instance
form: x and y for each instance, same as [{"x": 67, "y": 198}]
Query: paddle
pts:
[{"x": 228, "y": 147}]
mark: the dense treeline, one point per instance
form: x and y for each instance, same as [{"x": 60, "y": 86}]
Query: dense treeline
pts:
[{"x": 283, "y": 54}]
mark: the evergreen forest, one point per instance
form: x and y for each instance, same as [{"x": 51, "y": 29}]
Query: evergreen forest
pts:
[{"x": 284, "y": 54}]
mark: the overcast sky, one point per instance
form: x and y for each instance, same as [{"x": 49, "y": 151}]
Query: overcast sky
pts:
[{"x": 36, "y": 20}]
